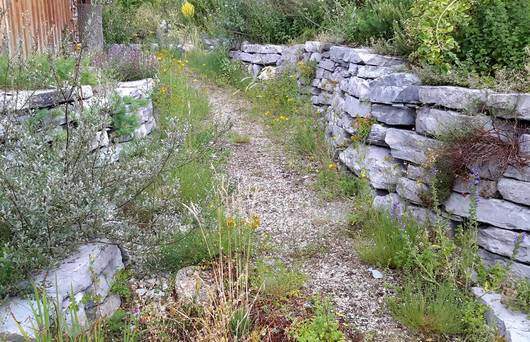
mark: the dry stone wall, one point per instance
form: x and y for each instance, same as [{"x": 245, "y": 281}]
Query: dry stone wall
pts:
[{"x": 354, "y": 83}]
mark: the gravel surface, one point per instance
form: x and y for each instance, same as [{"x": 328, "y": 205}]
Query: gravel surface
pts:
[{"x": 304, "y": 230}]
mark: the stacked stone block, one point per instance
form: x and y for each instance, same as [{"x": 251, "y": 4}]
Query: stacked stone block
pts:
[{"x": 353, "y": 83}]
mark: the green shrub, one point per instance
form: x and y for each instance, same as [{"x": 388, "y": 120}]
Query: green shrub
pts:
[
  {"x": 375, "y": 19},
  {"x": 120, "y": 284},
  {"x": 497, "y": 35},
  {"x": 431, "y": 31},
  {"x": 130, "y": 22},
  {"x": 219, "y": 68},
  {"x": 322, "y": 327},
  {"x": 519, "y": 297}
]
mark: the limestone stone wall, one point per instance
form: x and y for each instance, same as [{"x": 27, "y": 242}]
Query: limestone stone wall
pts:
[
  {"x": 356, "y": 82},
  {"x": 84, "y": 278},
  {"x": 26, "y": 103}
]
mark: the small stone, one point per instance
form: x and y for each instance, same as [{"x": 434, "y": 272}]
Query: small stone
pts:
[
  {"x": 375, "y": 273},
  {"x": 371, "y": 72},
  {"x": 377, "y": 135},
  {"x": 356, "y": 87},
  {"x": 327, "y": 64},
  {"x": 258, "y": 48},
  {"x": 411, "y": 190},
  {"x": 192, "y": 285},
  {"x": 313, "y": 46}
]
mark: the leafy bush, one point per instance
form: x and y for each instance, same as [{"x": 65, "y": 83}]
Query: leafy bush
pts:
[
  {"x": 518, "y": 298},
  {"x": 431, "y": 31},
  {"x": 497, "y": 35},
  {"x": 375, "y": 19},
  {"x": 269, "y": 21},
  {"x": 388, "y": 238},
  {"x": 219, "y": 68},
  {"x": 131, "y": 21}
]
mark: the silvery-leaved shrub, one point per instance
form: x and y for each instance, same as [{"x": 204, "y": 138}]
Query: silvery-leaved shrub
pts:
[{"x": 61, "y": 187}]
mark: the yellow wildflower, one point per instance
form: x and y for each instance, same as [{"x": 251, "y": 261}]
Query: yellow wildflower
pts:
[
  {"x": 230, "y": 222},
  {"x": 254, "y": 222},
  {"x": 187, "y": 9},
  {"x": 332, "y": 166}
]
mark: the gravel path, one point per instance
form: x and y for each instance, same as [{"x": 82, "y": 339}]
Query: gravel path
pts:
[{"x": 304, "y": 230}]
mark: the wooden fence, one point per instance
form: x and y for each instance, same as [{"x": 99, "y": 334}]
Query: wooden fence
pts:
[{"x": 27, "y": 26}]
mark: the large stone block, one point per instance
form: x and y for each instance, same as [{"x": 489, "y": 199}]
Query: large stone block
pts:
[
  {"x": 377, "y": 135},
  {"x": 338, "y": 53},
  {"x": 502, "y": 242},
  {"x": 37, "y": 99},
  {"x": 313, "y": 46},
  {"x": 392, "y": 115},
  {"x": 486, "y": 188},
  {"x": 327, "y": 64},
  {"x": 89, "y": 272},
  {"x": 356, "y": 108},
  {"x": 358, "y": 87},
  {"x": 382, "y": 170},
  {"x": 515, "y": 191},
  {"x": 492, "y": 211},
  {"x": 518, "y": 269},
  {"x": 393, "y": 88},
  {"x": 371, "y": 72},
  {"x": 408, "y": 145},
  {"x": 513, "y": 326},
  {"x": 258, "y": 48},
  {"x": 411, "y": 190},
  {"x": 366, "y": 56},
  {"x": 452, "y": 97},
  {"x": 510, "y": 105},
  {"x": 434, "y": 122},
  {"x": 265, "y": 59},
  {"x": 521, "y": 173}
]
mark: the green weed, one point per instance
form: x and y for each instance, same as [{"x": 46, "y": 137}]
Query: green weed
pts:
[
  {"x": 322, "y": 327},
  {"x": 277, "y": 280}
]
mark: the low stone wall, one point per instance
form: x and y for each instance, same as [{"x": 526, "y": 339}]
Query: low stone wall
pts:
[
  {"x": 28, "y": 102},
  {"x": 84, "y": 278},
  {"x": 354, "y": 83}
]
